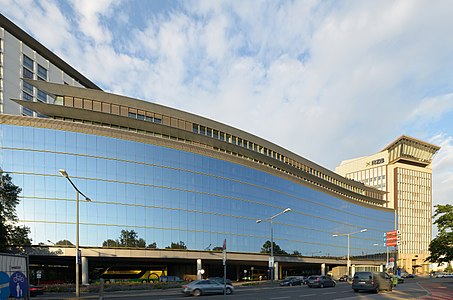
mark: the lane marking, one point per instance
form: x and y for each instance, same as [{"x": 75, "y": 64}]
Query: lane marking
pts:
[{"x": 308, "y": 295}]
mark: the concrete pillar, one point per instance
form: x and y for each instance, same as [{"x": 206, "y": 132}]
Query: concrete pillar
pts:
[
  {"x": 199, "y": 268},
  {"x": 323, "y": 269},
  {"x": 84, "y": 270},
  {"x": 277, "y": 274},
  {"x": 238, "y": 273},
  {"x": 352, "y": 270},
  {"x": 381, "y": 268}
]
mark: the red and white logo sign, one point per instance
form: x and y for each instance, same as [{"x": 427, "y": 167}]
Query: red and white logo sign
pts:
[{"x": 392, "y": 238}]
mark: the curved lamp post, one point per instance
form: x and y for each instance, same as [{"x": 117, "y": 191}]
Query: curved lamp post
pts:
[
  {"x": 272, "y": 239},
  {"x": 348, "y": 235},
  {"x": 77, "y": 266}
]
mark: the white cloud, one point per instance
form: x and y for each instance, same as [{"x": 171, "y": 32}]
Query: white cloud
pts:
[
  {"x": 310, "y": 76},
  {"x": 46, "y": 22},
  {"x": 89, "y": 15},
  {"x": 443, "y": 170},
  {"x": 432, "y": 108}
]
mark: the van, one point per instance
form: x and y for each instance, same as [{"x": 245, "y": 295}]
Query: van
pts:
[{"x": 371, "y": 281}]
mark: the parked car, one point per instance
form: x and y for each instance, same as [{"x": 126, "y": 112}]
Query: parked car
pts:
[
  {"x": 443, "y": 275},
  {"x": 320, "y": 281},
  {"x": 343, "y": 278},
  {"x": 220, "y": 280},
  {"x": 205, "y": 287},
  {"x": 170, "y": 279},
  {"x": 290, "y": 281},
  {"x": 305, "y": 279},
  {"x": 371, "y": 281},
  {"x": 36, "y": 290}
]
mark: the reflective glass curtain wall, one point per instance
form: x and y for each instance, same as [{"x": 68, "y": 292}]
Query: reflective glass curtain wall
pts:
[{"x": 167, "y": 195}]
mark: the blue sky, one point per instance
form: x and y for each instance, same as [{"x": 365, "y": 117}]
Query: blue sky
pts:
[{"x": 328, "y": 80}]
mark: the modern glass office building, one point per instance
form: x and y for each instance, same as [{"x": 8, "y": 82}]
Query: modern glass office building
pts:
[
  {"x": 173, "y": 178},
  {"x": 169, "y": 194}
]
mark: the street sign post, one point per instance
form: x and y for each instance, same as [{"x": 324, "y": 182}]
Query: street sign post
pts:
[
  {"x": 4, "y": 286},
  {"x": 271, "y": 262},
  {"x": 392, "y": 238},
  {"x": 18, "y": 285}
]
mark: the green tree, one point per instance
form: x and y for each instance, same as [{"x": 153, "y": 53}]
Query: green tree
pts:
[
  {"x": 10, "y": 234},
  {"x": 449, "y": 269},
  {"x": 64, "y": 243},
  {"x": 267, "y": 248},
  {"x": 111, "y": 243},
  {"x": 131, "y": 239},
  {"x": 296, "y": 253},
  {"x": 441, "y": 247},
  {"x": 152, "y": 245},
  {"x": 179, "y": 245},
  {"x": 217, "y": 248}
]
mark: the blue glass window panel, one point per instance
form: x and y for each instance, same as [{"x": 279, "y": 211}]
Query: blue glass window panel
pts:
[
  {"x": 28, "y": 62},
  {"x": 42, "y": 96},
  {"x": 101, "y": 193},
  {"x": 6, "y": 160},
  {"x": 70, "y": 142},
  {"x": 91, "y": 145},
  {"x": 27, "y": 73},
  {"x": 42, "y": 72},
  {"x": 60, "y": 141}
]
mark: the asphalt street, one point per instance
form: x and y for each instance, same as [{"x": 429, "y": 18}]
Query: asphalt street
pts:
[{"x": 420, "y": 288}]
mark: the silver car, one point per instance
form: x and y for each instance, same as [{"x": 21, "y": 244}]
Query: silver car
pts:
[{"x": 205, "y": 287}]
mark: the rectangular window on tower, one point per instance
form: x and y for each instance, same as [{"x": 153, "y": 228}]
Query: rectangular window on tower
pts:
[
  {"x": 42, "y": 96},
  {"x": 26, "y": 73},
  {"x": 28, "y": 63},
  {"x": 42, "y": 73},
  {"x": 26, "y": 87},
  {"x": 26, "y": 96}
]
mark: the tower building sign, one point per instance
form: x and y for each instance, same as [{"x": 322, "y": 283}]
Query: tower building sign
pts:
[{"x": 375, "y": 162}]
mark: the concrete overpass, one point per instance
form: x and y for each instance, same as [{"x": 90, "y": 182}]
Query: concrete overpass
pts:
[{"x": 187, "y": 261}]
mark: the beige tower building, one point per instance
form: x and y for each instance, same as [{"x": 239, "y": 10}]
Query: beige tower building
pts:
[{"x": 403, "y": 170}]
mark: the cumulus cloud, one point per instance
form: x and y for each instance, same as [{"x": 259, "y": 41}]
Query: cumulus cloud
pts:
[
  {"x": 311, "y": 76},
  {"x": 89, "y": 18}
]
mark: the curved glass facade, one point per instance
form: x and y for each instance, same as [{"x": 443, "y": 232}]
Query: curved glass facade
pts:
[{"x": 167, "y": 195}]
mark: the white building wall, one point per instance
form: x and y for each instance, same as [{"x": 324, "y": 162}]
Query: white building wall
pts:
[
  {"x": 11, "y": 73},
  {"x": 370, "y": 170}
]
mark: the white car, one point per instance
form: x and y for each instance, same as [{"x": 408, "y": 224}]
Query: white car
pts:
[
  {"x": 203, "y": 287},
  {"x": 444, "y": 275}
]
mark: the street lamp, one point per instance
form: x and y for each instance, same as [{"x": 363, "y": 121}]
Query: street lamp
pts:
[
  {"x": 348, "y": 235},
  {"x": 271, "y": 262},
  {"x": 65, "y": 174}
]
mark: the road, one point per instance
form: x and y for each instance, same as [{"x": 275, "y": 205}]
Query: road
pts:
[{"x": 425, "y": 289}]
